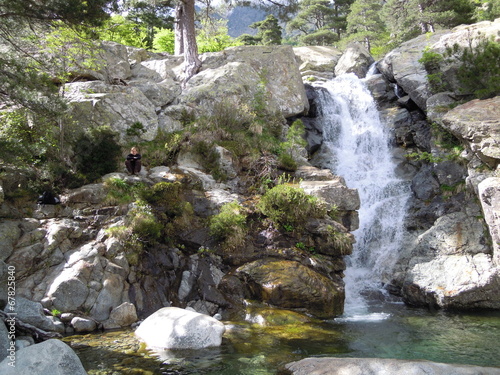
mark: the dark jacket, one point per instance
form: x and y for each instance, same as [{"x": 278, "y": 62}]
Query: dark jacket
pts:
[{"x": 134, "y": 157}]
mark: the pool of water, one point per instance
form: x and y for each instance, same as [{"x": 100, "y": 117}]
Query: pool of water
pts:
[{"x": 389, "y": 331}]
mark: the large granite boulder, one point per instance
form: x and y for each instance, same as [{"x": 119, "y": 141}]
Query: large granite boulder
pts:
[
  {"x": 243, "y": 71},
  {"x": 477, "y": 123},
  {"x": 317, "y": 61},
  {"x": 175, "y": 328},
  {"x": 32, "y": 313},
  {"x": 381, "y": 366},
  {"x": 464, "y": 36},
  {"x": 51, "y": 357},
  {"x": 118, "y": 106},
  {"x": 9, "y": 234},
  {"x": 402, "y": 67},
  {"x": 355, "y": 59},
  {"x": 451, "y": 266}
]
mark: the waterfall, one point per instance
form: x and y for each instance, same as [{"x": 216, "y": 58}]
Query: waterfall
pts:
[{"x": 356, "y": 146}]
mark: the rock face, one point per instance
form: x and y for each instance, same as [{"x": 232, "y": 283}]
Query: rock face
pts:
[
  {"x": 51, "y": 357},
  {"x": 175, "y": 328},
  {"x": 402, "y": 66},
  {"x": 148, "y": 90},
  {"x": 489, "y": 194},
  {"x": 478, "y": 124},
  {"x": 378, "y": 366}
]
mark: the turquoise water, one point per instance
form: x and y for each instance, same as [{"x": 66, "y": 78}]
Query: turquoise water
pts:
[{"x": 389, "y": 331}]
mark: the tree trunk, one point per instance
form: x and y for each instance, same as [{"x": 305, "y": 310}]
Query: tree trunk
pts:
[
  {"x": 178, "y": 42},
  {"x": 185, "y": 25},
  {"x": 368, "y": 44}
]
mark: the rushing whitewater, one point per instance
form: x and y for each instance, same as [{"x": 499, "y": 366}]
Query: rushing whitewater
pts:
[{"x": 357, "y": 146}]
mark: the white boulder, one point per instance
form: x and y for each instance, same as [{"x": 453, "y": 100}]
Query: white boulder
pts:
[{"x": 176, "y": 328}]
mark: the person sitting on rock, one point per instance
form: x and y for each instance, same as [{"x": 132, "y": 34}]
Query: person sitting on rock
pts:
[{"x": 133, "y": 162}]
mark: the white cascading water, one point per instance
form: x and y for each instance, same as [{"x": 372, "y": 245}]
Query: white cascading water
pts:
[{"x": 357, "y": 146}]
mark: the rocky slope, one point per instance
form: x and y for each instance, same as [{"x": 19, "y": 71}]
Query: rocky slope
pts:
[{"x": 67, "y": 260}]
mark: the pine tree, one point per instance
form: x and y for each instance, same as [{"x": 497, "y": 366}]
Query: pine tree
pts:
[
  {"x": 364, "y": 22},
  {"x": 269, "y": 31},
  {"x": 407, "y": 19},
  {"x": 321, "y": 17}
]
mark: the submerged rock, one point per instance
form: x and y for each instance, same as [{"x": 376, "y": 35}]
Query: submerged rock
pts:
[
  {"x": 381, "y": 366},
  {"x": 289, "y": 284},
  {"x": 176, "y": 328}
]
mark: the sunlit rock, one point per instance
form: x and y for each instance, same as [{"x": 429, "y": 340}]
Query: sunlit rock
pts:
[
  {"x": 478, "y": 123},
  {"x": 175, "y": 328},
  {"x": 355, "y": 59}
]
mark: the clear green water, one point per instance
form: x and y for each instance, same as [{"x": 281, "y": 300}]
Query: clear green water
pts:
[{"x": 394, "y": 331}]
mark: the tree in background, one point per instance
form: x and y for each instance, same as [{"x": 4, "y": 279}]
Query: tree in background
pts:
[
  {"x": 268, "y": 31},
  {"x": 364, "y": 22},
  {"x": 121, "y": 30},
  {"x": 151, "y": 15},
  {"x": 486, "y": 10},
  {"x": 213, "y": 36},
  {"x": 407, "y": 19},
  {"x": 320, "y": 22}
]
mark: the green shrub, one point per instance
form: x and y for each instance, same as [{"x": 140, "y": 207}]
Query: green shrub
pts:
[
  {"x": 431, "y": 62},
  {"x": 141, "y": 229},
  {"x": 229, "y": 225},
  {"x": 287, "y": 162},
  {"x": 135, "y": 130},
  {"x": 479, "y": 72},
  {"x": 167, "y": 196},
  {"x": 288, "y": 205},
  {"x": 144, "y": 224}
]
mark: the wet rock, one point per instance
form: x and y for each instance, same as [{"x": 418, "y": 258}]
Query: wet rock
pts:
[
  {"x": 379, "y": 366},
  {"x": 175, "y": 328},
  {"x": 425, "y": 185},
  {"x": 291, "y": 285}
]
